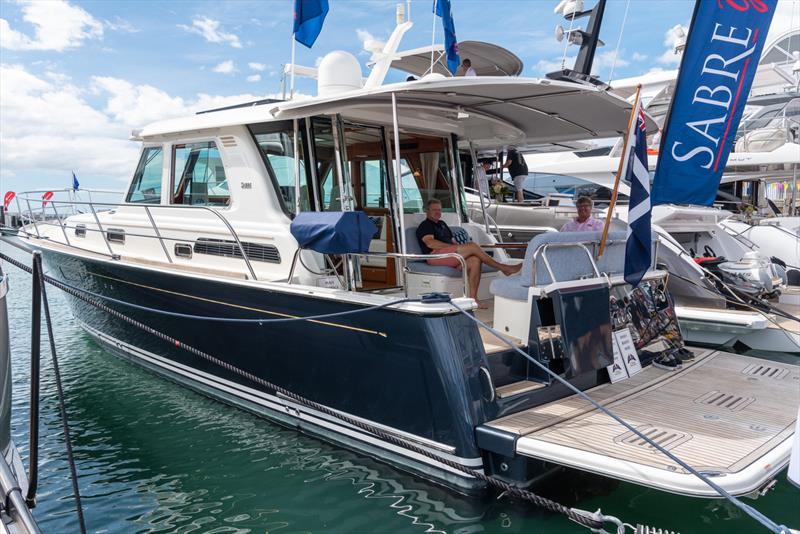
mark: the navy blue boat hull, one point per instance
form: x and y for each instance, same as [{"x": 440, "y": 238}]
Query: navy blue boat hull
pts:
[{"x": 415, "y": 375}]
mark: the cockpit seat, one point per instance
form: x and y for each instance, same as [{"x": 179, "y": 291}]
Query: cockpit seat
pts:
[
  {"x": 567, "y": 262},
  {"x": 422, "y": 266}
]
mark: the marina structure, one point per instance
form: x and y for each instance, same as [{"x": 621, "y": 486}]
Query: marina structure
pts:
[
  {"x": 207, "y": 240},
  {"x": 268, "y": 255}
]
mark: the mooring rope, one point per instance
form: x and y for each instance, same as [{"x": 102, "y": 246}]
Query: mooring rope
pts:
[
  {"x": 73, "y": 472},
  {"x": 749, "y": 510},
  {"x": 594, "y": 521}
]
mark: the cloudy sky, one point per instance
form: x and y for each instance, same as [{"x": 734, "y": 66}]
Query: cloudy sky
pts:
[{"x": 77, "y": 76}]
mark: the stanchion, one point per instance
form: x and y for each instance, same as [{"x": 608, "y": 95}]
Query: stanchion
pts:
[{"x": 36, "y": 325}]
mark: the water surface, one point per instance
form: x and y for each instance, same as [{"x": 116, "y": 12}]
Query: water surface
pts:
[{"x": 153, "y": 456}]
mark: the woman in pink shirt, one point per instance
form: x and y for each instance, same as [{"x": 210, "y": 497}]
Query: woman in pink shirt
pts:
[{"x": 584, "y": 222}]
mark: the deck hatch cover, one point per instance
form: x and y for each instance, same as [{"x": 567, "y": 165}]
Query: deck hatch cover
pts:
[
  {"x": 665, "y": 437},
  {"x": 730, "y": 401},
  {"x": 765, "y": 371},
  {"x": 230, "y": 249}
]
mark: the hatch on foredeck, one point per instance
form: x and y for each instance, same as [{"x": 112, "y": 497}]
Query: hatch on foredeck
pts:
[
  {"x": 728, "y": 416},
  {"x": 487, "y": 59}
]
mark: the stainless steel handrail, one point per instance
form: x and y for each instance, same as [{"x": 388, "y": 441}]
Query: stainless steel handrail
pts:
[
  {"x": 146, "y": 207},
  {"x": 400, "y": 255},
  {"x": 542, "y": 250}
]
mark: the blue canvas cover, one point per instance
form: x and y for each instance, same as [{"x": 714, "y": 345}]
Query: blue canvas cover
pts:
[{"x": 333, "y": 232}]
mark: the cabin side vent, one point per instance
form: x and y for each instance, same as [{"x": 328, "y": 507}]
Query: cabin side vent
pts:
[
  {"x": 228, "y": 141},
  {"x": 230, "y": 249}
]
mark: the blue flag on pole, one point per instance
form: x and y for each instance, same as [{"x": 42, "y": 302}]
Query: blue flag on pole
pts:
[
  {"x": 75, "y": 184},
  {"x": 309, "y": 15},
  {"x": 638, "y": 248},
  {"x": 725, "y": 41},
  {"x": 442, "y": 9}
]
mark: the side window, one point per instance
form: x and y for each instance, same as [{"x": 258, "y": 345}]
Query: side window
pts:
[
  {"x": 198, "y": 176},
  {"x": 278, "y": 149},
  {"x": 146, "y": 184}
]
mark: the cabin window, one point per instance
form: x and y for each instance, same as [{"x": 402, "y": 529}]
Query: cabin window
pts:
[
  {"x": 426, "y": 173},
  {"x": 146, "y": 185},
  {"x": 276, "y": 143},
  {"x": 327, "y": 168},
  {"x": 198, "y": 176}
]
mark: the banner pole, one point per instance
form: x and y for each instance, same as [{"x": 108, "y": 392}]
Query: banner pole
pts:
[
  {"x": 291, "y": 84},
  {"x": 433, "y": 34},
  {"x": 626, "y": 140}
]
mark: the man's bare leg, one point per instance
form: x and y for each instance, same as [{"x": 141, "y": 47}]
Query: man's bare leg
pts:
[
  {"x": 471, "y": 250},
  {"x": 474, "y": 277}
]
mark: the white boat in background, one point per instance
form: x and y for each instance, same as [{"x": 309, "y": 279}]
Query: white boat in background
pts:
[{"x": 215, "y": 224}]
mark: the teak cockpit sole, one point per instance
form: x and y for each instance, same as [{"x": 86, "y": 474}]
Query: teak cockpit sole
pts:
[{"x": 726, "y": 415}]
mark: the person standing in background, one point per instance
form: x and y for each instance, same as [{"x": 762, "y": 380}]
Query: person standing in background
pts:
[
  {"x": 518, "y": 169},
  {"x": 465, "y": 69}
]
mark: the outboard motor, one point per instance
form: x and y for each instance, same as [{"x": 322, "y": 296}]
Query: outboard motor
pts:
[{"x": 753, "y": 276}]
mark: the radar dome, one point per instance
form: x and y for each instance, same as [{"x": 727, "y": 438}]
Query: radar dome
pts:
[{"x": 338, "y": 71}]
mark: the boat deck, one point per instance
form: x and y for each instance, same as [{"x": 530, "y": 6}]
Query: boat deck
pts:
[{"x": 725, "y": 414}]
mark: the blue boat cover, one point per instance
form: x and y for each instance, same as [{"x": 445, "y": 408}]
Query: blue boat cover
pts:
[{"x": 333, "y": 232}]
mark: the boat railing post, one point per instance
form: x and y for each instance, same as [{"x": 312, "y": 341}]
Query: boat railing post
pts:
[
  {"x": 36, "y": 324},
  {"x": 158, "y": 234},
  {"x": 235, "y": 238},
  {"x": 103, "y": 232},
  {"x": 60, "y": 223},
  {"x": 398, "y": 181},
  {"x": 294, "y": 264},
  {"x": 33, "y": 218},
  {"x": 21, "y": 217}
]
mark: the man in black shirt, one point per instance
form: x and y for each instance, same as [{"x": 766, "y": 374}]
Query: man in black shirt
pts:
[
  {"x": 435, "y": 237},
  {"x": 518, "y": 169}
]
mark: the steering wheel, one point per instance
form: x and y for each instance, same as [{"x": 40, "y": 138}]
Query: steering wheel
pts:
[{"x": 708, "y": 252}]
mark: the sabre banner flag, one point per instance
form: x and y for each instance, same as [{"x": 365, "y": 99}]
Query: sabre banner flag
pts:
[
  {"x": 443, "y": 10},
  {"x": 721, "y": 56}
]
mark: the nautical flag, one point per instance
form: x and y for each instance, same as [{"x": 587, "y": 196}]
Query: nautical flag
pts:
[
  {"x": 639, "y": 243},
  {"x": 442, "y": 9},
  {"x": 8, "y": 198},
  {"x": 47, "y": 196},
  {"x": 75, "y": 184},
  {"x": 309, "y": 15},
  {"x": 722, "y": 52}
]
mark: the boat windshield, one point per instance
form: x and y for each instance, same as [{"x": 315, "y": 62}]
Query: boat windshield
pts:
[{"x": 542, "y": 184}]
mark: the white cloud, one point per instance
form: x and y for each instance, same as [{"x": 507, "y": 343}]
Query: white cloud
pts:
[
  {"x": 370, "y": 43},
  {"x": 638, "y": 57},
  {"x": 210, "y": 31},
  {"x": 671, "y": 38},
  {"x": 48, "y": 126},
  {"x": 226, "y": 67},
  {"x": 120, "y": 25},
  {"x": 257, "y": 66},
  {"x": 58, "y": 26},
  {"x": 254, "y": 78}
]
